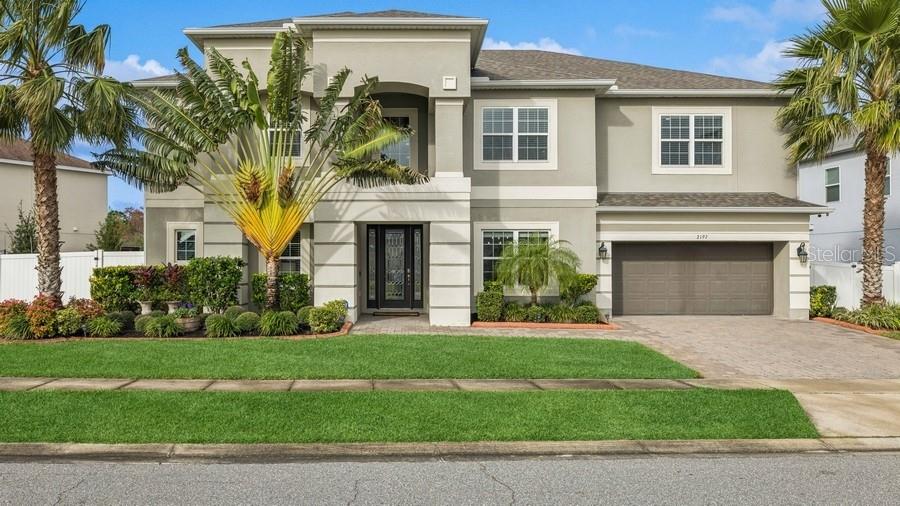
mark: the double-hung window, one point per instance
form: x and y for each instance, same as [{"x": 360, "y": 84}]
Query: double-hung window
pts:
[
  {"x": 290, "y": 259},
  {"x": 832, "y": 184},
  {"x": 494, "y": 241},
  {"x": 289, "y": 142},
  {"x": 185, "y": 245},
  {"x": 515, "y": 134},
  {"x": 692, "y": 142}
]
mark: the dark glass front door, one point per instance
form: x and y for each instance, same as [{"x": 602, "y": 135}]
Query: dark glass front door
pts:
[{"x": 394, "y": 254}]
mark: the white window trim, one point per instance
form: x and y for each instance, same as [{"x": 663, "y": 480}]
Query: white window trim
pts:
[
  {"x": 838, "y": 184},
  {"x": 725, "y": 168},
  {"x": 413, "y": 115},
  {"x": 552, "y": 134},
  {"x": 478, "y": 240},
  {"x": 299, "y": 258},
  {"x": 888, "y": 179},
  {"x": 171, "y": 227},
  {"x": 304, "y": 123}
]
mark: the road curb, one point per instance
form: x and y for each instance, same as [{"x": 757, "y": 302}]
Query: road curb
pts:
[{"x": 333, "y": 451}]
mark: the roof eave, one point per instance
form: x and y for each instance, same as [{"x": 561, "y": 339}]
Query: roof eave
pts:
[
  {"x": 675, "y": 209},
  {"x": 738, "y": 92},
  {"x": 154, "y": 84},
  {"x": 598, "y": 85},
  {"x": 197, "y": 35}
]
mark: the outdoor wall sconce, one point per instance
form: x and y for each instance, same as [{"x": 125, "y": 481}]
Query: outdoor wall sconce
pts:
[
  {"x": 801, "y": 253},
  {"x": 602, "y": 252}
]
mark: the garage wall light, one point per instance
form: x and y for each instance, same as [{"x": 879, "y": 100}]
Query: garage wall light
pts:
[
  {"x": 801, "y": 253},
  {"x": 602, "y": 252}
]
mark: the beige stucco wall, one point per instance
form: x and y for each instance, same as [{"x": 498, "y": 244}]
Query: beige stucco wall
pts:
[
  {"x": 624, "y": 148},
  {"x": 82, "y": 203}
]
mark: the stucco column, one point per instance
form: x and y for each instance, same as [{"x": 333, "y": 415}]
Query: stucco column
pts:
[
  {"x": 791, "y": 297},
  {"x": 604, "y": 279},
  {"x": 448, "y": 137},
  {"x": 334, "y": 264}
]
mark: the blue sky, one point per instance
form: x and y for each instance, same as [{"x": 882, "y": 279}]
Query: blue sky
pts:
[{"x": 736, "y": 38}]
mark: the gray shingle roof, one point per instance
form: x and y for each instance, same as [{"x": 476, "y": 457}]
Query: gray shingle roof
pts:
[
  {"x": 711, "y": 200},
  {"x": 506, "y": 64}
]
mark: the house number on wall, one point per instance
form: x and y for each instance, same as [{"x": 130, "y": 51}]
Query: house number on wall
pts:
[{"x": 701, "y": 237}]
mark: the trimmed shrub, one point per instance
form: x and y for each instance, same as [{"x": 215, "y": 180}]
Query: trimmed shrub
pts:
[
  {"x": 303, "y": 315},
  {"x": 213, "y": 281},
  {"x": 69, "y": 322},
  {"x": 278, "y": 323},
  {"x": 535, "y": 314},
  {"x": 113, "y": 288},
  {"x": 822, "y": 299},
  {"x": 514, "y": 312},
  {"x": 329, "y": 317},
  {"x": 184, "y": 312},
  {"x": 586, "y": 313},
  {"x": 573, "y": 287},
  {"x": 247, "y": 323},
  {"x": 141, "y": 321},
  {"x": 103, "y": 326},
  {"x": 125, "y": 318},
  {"x": 234, "y": 311},
  {"x": 17, "y": 326},
  {"x": 162, "y": 326},
  {"x": 218, "y": 325},
  {"x": 87, "y": 308},
  {"x": 42, "y": 316},
  {"x": 493, "y": 286},
  {"x": 560, "y": 313},
  {"x": 10, "y": 308},
  {"x": 293, "y": 291},
  {"x": 489, "y": 306}
]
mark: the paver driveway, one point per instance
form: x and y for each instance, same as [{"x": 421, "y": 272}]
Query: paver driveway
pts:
[{"x": 765, "y": 347}]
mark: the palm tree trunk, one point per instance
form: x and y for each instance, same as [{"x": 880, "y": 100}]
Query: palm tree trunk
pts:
[
  {"x": 873, "y": 227},
  {"x": 46, "y": 208},
  {"x": 272, "y": 283},
  {"x": 534, "y": 297}
]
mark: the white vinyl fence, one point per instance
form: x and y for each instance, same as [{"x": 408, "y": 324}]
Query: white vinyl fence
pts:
[
  {"x": 18, "y": 274},
  {"x": 847, "y": 278}
]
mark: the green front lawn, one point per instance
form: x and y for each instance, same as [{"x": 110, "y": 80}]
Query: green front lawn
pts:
[
  {"x": 357, "y": 356},
  {"x": 205, "y": 417}
]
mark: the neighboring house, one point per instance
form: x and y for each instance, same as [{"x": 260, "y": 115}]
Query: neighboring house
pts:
[
  {"x": 839, "y": 182},
  {"x": 672, "y": 186},
  {"x": 82, "y": 194}
]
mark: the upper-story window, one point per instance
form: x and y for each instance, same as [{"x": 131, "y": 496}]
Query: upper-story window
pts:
[
  {"x": 692, "y": 141},
  {"x": 515, "y": 134},
  {"x": 401, "y": 151},
  {"x": 292, "y": 142},
  {"x": 833, "y": 184}
]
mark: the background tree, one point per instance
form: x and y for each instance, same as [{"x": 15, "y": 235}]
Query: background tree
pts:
[
  {"x": 134, "y": 230},
  {"x": 23, "y": 239},
  {"x": 50, "y": 90},
  {"x": 535, "y": 264},
  {"x": 214, "y": 131},
  {"x": 110, "y": 236},
  {"x": 847, "y": 85}
]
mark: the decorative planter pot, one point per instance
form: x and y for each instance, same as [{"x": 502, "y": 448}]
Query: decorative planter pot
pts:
[
  {"x": 173, "y": 305},
  {"x": 191, "y": 324},
  {"x": 146, "y": 306}
]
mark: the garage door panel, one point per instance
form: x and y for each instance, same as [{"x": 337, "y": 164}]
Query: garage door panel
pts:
[{"x": 692, "y": 278}]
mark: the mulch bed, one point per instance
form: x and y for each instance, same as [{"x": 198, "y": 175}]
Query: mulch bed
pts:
[
  {"x": 545, "y": 326},
  {"x": 194, "y": 336},
  {"x": 848, "y": 325}
]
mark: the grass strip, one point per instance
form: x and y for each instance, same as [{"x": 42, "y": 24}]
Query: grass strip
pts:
[
  {"x": 347, "y": 357},
  {"x": 209, "y": 417}
]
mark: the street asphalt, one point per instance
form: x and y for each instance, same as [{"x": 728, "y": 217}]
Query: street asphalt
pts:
[{"x": 834, "y": 478}]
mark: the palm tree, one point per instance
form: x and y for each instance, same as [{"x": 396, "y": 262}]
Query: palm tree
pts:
[
  {"x": 215, "y": 132},
  {"x": 847, "y": 85},
  {"x": 534, "y": 264},
  {"x": 51, "y": 91}
]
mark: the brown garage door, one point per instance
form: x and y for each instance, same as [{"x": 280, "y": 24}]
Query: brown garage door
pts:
[{"x": 692, "y": 278}]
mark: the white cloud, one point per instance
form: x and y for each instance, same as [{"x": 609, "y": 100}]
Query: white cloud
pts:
[
  {"x": 131, "y": 68},
  {"x": 543, "y": 44},
  {"x": 627, "y": 31},
  {"x": 767, "y": 21},
  {"x": 762, "y": 66}
]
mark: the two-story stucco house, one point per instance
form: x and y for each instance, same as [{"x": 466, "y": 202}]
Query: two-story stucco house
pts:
[
  {"x": 82, "y": 195},
  {"x": 839, "y": 182},
  {"x": 672, "y": 186}
]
